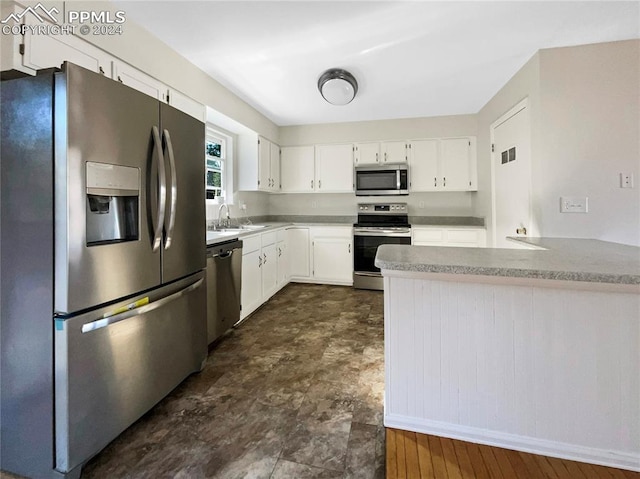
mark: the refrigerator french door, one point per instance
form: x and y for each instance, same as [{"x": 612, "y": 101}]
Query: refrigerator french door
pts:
[{"x": 103, "y": 218}]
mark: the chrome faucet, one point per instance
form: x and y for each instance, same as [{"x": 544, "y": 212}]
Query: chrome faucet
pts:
[{"x": 227, "y": 217}]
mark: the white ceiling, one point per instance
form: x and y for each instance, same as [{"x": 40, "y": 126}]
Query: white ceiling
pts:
[{"x": 411, "y": 59}]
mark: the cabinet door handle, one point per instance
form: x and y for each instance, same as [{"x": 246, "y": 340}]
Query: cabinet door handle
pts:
[
  {"x": 376, "y": 157},
  {"x": 311, "y": 184},
  {"x": 319, "y": 184},
  {"x": 349, "y": 247},
  {"x": 521, "y": 231},
  {"x": 265, "y": 258},
  {"x": 259, "y": 261},
  {"x": 444, "y": 181},
  {"x": 435, "y": 181},
  {"x": 385, "y": 156}
]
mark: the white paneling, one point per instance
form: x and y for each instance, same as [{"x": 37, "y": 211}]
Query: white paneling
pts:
[{"x": 543, "y": 369}]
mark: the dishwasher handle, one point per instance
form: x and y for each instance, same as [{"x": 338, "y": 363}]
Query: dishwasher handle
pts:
[{"x": 222, "y": 254}]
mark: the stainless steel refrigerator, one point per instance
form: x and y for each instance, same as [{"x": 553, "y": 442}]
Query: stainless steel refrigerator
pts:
[{"x": 103, "y": 305}]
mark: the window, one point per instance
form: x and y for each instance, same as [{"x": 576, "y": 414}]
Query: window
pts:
[{"x": 215, "y": 153}]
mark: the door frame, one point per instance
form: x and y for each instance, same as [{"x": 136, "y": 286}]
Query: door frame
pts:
[{"x": 521, "y": 105}]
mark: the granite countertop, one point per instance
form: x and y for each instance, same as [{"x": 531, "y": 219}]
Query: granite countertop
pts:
[{"x": 564, "y": 259}]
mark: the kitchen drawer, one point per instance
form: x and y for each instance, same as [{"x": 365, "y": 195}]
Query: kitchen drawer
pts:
[
  {"x": 463, "y": 236},
  {"x": 250, "y": 244},
  {"x": 332, "y": 231},
  {"x": 428, "y": 235},
  {"x": 269, "y": 238}
]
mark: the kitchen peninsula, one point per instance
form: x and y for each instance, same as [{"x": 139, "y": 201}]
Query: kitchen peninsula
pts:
[{"x": 536, "y": 350}]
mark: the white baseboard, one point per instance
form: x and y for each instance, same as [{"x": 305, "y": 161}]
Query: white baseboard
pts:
[{"x": 603, "y": 457}]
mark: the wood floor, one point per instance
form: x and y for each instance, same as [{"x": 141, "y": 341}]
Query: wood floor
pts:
[{"x": 411, "y": 455}]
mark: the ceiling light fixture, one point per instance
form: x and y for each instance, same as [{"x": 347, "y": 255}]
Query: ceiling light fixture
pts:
[{"x": 338, "y": 87}]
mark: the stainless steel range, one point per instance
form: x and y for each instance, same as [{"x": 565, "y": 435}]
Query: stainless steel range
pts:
[{"x": 378, "y": 223}]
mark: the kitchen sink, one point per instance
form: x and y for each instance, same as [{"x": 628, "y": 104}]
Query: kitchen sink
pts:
[{"x": 223, "y": 232}]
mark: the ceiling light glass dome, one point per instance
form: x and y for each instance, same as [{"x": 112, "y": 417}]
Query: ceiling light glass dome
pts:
[{"x": 338, "y": 87}]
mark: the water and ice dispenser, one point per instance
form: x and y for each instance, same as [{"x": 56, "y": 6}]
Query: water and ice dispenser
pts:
[{"x": 113, "y": 193}]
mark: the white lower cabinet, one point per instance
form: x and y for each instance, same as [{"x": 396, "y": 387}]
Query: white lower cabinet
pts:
[
  {"x": 299, "y": 257},
  {"x": 259, "y": 271},
  {"x": 333, "y": 260},
  {"x": 269, "y": 265},
  {"x": 448, "y": 236},
  {"x": 321, "y": 254},
  {"x": 282, "y": 252},
  {"x": 307, "y": 254},
  {"x": 251, "y": 289}
]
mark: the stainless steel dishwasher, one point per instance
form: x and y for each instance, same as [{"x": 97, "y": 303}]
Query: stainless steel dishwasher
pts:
[{"x": 224, "y": 270}]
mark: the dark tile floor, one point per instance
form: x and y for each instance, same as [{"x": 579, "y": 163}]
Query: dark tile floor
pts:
[{"x": 294, "y": 392}]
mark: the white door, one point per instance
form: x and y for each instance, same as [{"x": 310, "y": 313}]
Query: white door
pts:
[
  {"x": 251, "y": 290},
  {"x": 511, "y": 170},
  {"x": 332, "y": 259},
  {"x": 334, "y": 168},
  {"x": 394, "y": 152},
  {"x": 269, "y": 271},
  {"x": 140, "y": 81},
  {"x": 297, "y": 172},
  {"x": 283, "y": 263},
  {"x": 264, "y": 164},
  {"x": 423, "y": 165},
  {"x": 455, "y": 164},
  {"x": 275, "y": 167},
  {"x": 367, "y": 153},
  {"x": 299, "y": 261}
]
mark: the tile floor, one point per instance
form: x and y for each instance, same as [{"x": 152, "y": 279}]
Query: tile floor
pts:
[{"x": 294, "y": 392}]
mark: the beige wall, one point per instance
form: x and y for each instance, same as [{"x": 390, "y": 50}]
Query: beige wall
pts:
[
  {"x": 524, "y": 84},
  {"x": 144, "y": 51},
  {"x": 401, "y": 129},
  {"x": 585, "y": 131},
  {"x": 589, "y": 134}
]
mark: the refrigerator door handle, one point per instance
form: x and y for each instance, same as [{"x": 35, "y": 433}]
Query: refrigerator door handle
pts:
[
  {"x": 136, "y": 308},
  {"x": 157, "y": 237},
  {"x": 174, "y": 190}
]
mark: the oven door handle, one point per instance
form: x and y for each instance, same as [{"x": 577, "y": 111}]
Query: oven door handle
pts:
[{"x": 387, "y": 233}]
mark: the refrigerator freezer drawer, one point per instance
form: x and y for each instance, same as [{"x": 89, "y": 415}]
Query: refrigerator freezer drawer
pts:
[{"x": 110, "y": 371}]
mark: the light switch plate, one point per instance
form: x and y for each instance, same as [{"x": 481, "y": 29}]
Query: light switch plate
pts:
[{"x": 574, "y": 204}]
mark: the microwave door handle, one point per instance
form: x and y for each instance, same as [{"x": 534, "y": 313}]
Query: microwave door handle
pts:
[
  {"x": 162, "y": 191},
  {"x": 174, "y": 190},
  {"x": 398, "y": 180}
]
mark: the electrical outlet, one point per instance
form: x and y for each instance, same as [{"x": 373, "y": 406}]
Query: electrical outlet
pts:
[
  {"x": 574, "y": 204},
  {"x": 626, "y": 180},
  {"x": 243, "y": 207}
]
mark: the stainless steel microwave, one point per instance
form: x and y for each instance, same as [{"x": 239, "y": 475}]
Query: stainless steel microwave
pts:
[{"x": 382, "y": 180}]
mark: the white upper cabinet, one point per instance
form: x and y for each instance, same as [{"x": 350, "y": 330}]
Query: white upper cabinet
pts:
[
  {"x": 334, "y": 168},
  {"x": 423, "y": 165},
  {"x": 274, "y": 167},
  {"x": 394, "y": 152},
  {"x": 264, "y": 164},
  {"x": 379, "y": 153},
  {"x": 445, "y": 164},
  {"x": 51, "y": 51},
  {"x": 48, "y": 51},
  {"x": 297, "y": 169},
  {"x": 186, "y": 104},
  {"x": 366, "y": 153},
  {"x": 138, "y": 80},
  {"x": 456, "y": 164},
  {"x": 268, "y": 165}
]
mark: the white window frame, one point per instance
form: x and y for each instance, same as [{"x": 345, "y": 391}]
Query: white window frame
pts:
[{"x": 226, "y": 141}]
